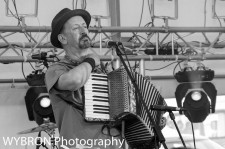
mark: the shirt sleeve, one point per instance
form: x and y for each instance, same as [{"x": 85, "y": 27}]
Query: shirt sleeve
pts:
[{"x": 52, "y": 75}]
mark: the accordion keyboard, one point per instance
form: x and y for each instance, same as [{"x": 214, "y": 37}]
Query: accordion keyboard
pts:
[{"x": 96, "y": 94}]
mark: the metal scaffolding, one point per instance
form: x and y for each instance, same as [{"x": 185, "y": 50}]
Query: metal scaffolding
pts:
[{"x": 153, "y": 33}]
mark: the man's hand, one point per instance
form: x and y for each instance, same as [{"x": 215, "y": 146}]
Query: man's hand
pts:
[{"x": 95, "y": 57}]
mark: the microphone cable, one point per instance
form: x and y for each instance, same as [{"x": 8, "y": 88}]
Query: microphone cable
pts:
[{"x": 192, "y": 127}]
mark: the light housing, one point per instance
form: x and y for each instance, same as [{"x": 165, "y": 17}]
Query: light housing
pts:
[
  {"x": 198, "y": 109},
  {"x": 37, "y": 109},
  {"x": 196, "y": 93}
]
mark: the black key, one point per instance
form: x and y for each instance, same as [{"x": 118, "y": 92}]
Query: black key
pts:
[
  {"x": 101, "y": 112},
  {"x": 99, "y": 79},
  {"x": 99, "y": 85},
  {"x": 99, "y": 88},
  {"x": 99, "y": 76},
  {"x": 101, "y": 100},
  {"x": 103, "y": 97},
  {"x": 101, "y": 109}
]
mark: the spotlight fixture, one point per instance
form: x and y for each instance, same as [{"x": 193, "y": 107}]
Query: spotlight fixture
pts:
[
  {"x": 190, "y": 75},
  {"x": 196, "y": 93},
  {"x": 38, "y": 105},
  {"x": 36, "y": 78}
]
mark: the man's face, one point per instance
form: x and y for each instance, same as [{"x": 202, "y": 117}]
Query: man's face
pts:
[{"x": 76, "y": 32}]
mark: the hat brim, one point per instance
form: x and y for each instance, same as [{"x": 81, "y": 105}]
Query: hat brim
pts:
[{"x": 56, "y": 31}]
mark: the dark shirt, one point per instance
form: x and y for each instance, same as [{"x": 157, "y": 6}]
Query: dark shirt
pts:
[{"x": 70, "y": 121}]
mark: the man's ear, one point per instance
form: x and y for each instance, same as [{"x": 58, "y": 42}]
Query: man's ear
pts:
[{"x": 62, "y": 39}]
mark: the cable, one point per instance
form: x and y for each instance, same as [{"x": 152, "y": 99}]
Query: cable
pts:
[
  {"x": 192, "y": 127},
  {"x": 84, "y": 4},
  {"x": 22, "y": 67},
  {"x": 217, "y": 17},
  {"x": 161, "y": 67},
  {"x": 143, "y": 1},
  {"x": 14, "y": 4},
  {"x": 32, "y": 66},
  {"x": 11, "y": 11},
  {"x": 176, "y": 67},
  {"x": 19, "y": 20},
  {"x": 149, "y": 7},
  {"x": 205, "y": 13},
  {"x": 73, "y": 4}
]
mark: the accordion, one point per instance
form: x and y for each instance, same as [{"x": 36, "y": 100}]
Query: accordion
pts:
[{"x": 112, "y": 97}]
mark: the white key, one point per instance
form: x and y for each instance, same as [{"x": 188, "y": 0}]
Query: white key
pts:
[
  {"x": 88, "y": 93},
  {"x": 91, "y": 109},
  {"x": 92, "y": 103},
  {"x": 97, "y": 115},
  {"x": 96, "y": 82}
]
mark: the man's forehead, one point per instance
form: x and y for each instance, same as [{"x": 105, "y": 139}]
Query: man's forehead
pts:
[{"x": 76, "y": 20}]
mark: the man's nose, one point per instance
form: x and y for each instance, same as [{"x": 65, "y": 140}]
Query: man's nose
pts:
[{"x": 82, "y": 30}]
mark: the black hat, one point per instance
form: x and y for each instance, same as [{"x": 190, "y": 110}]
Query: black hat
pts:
[{"x": 60, "y": 19}]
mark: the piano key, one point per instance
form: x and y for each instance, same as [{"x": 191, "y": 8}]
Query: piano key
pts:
[
  {"x": 91, "y": 96},
  {"x": 99, "y": 85},
  {"x": 96, "y": 93},
  {"x": 99, "y": 75},
  {"x": 99, "y": 79},
  {"x": 97, "y": 112},
  {"x": 94, "y": 106},
  {"x": 96, "y": 100},
  {"x": 100, "y": 100},
  {"x": 95, "y": 88},
  {"x": 96, "y": 103},
  {"x": 90, "y": 82},
  {"x": 93, "y": 110},
  {"x": 93, "y": 83},
  {"x": 95, "y": 115}
]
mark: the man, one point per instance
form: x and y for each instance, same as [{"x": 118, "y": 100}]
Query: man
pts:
[{"x": 65, "y": 79}]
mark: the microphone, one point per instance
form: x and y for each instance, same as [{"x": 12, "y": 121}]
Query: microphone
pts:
[
  {"x": 166, "y": 108},
  {"x": 42, "y": 56},
  {"x": 39, "y": 56},
  {"x": 111, "y": 43}
]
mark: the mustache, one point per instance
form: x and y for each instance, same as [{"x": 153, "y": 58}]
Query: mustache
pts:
[{"x": 84, "y": 41}]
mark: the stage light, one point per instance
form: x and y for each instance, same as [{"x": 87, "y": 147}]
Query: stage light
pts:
[
  {"x": 38, "y": 105},
  {"x": 196, "y": 93},
  {"x": 45, "y": 102}
]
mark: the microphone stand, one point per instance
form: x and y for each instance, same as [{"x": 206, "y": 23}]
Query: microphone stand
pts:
[
  {"x": 172, "y": 117},
  {"x": 156, "y": 128},
  {"x": 39, "y": 143}
]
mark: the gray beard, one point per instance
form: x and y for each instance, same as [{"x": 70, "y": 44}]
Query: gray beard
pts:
[{"x": 84, "y": 42}]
